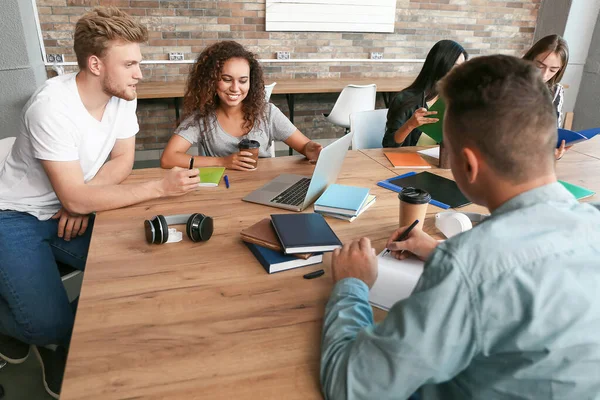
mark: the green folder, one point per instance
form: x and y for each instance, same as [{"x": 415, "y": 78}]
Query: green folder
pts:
[
  {"x": 577, "y": 191},
  {"x": 211, "y": 176},
  {"x": 435, "y": 130}
]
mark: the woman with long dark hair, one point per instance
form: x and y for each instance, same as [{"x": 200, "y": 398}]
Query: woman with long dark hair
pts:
[
  {"x": 224, "y": 103},
  {"x": 550, "y": 55},
  {"x": 408, "y": 110}
]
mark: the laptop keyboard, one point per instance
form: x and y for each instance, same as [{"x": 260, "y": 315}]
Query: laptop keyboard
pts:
[{"x": 294, "y": 195}]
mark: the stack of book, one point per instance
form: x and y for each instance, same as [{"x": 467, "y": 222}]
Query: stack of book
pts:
[
  {"x": 344, "y": 202},
  {"x": 287, "y": 241}
]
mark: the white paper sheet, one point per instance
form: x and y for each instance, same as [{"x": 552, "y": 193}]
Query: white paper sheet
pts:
[{"x": 395, "y": 281}]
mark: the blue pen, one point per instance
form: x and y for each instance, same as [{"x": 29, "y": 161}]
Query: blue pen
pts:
[{"x": 226, "y": 181}]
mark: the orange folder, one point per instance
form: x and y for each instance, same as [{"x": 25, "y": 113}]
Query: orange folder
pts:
[{"x": 406, "y": 160}]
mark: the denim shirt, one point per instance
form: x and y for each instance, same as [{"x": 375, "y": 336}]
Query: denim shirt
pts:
[{"x": 507, "y": 310}]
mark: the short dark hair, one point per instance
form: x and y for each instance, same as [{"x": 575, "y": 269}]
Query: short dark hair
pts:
[{"x": 501, "y": 105}]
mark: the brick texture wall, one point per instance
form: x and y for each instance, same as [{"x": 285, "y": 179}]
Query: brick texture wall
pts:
[{"x": 188, "y": 26}]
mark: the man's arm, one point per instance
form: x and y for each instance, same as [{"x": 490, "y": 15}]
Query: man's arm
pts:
[
  {"x": 77, "y": 197},
  {"x": 428, "y": 338},
  {"x": 119, "y": 166}
]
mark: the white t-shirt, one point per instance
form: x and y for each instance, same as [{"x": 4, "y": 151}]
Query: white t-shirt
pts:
[{"x": 56, "y": 126}]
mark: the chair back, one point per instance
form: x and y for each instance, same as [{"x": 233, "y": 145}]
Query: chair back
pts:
[
  {"x": 354, "y": 98},
  {"x": 6, "y": 145},
  {"x": 269, "y": 90},
  {"x": 368, "y": 128}
]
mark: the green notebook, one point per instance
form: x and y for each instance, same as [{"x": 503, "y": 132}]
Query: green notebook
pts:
[
  {"x": 435, "y": 130},
  {"x": 211, "y": 176},
  {"x": 577, "y": 191}
]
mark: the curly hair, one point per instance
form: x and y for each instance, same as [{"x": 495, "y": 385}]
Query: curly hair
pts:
[{"x": 201, "y": 99}]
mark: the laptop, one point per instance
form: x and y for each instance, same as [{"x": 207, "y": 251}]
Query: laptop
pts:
[{"x": 296, "y": 192}]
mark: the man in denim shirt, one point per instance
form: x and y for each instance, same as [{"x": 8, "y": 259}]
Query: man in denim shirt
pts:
[{"x": 509, "y": 309}]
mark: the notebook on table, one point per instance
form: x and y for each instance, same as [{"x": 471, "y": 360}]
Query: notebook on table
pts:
[
  {"x": 342, "y": 199},
  {"x": 406, "y": 160},
  {"x": 368, "y": 203},
  {"x": 396, "y": 279},
  {"x": 275, "y": 261},
  {"x": 578, "y": 191},
  {"x": 263, "y": 234},
  {"x": 304, "y": 233},
  {"x": 211, "y": 176},
  {"x": 444, "y": 192}
]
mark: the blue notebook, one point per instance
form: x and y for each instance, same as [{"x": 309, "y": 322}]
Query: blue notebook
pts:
[
  {"x": 304, "y": 233},
  {"x": 572, "y": 137},
  {"x": 274, "y": 261},
  {"x": 342, "y": 199}
]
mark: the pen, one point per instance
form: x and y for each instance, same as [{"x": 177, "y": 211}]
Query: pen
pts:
[
  {"x": 314, "y": 274},
  {"x": 191, "y": 162},
  {"x": 226, "y": 178},
  {"x": 403, "y": 236}
]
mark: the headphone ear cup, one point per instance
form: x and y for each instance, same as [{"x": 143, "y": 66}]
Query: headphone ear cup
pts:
[
  {"x": 164, "y": 229},
  {"x": 199, "y": 227},
  {"x": 149, "y": 231}
]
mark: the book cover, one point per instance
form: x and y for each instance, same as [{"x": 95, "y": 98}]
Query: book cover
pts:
[
  {"x": 570, "y": 137},
  {"x": 274, "y": 261},
  {"x": 396, "y": 280},
  {"x": 304, "y": 233},
  {"x": 370, "y": 201},
  {"x": 342, "y": 199},
  {"x": 578, "y": 191},
  {"x": 211, "y": 176},
  {"x": 263, "y": 234},
  {"x": 435, "y": 130},
  {"x": 406, "y": 160}
]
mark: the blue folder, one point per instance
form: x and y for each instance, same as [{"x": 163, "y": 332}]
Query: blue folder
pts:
[{"x": 572, "y": 137}]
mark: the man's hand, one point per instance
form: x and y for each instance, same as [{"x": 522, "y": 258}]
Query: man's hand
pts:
[
  {"x": 312, "y": 150},
  {"x": 69, "y": 225},
  {"x": 355, "y": 260},
  {"x": 418, "y": 243},
  {"x": 179, "y": 181}
]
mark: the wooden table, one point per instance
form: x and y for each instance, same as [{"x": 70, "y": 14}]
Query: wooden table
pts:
[
  {"x": 289, "y": 87},
  {"x": 204, "y": 320}
]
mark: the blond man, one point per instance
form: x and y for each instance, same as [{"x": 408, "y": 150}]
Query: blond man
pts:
[{"x": 57, "y": 175}]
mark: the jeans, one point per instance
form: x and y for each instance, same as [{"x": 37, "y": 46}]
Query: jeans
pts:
[{"x": 34, "y": 307}]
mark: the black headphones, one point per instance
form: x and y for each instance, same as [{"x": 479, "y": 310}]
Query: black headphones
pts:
[{"x": 198, "y": 227}]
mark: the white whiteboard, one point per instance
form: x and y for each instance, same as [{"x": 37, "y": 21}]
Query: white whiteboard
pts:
[{"x": 331, "y": 15}]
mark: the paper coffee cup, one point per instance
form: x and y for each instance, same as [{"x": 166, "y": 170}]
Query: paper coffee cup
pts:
[
  {"x": 413, "y": 205},
  {"x": 251, "y": 146}
]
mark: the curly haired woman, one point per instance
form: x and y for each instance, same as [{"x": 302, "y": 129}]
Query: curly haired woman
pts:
[{"x": 224, "y": 103}]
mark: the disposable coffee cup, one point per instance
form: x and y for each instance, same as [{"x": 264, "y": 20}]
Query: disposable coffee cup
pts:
[
  {"x": 413, "y": 205},
  {"x": 251, "y": 146}
]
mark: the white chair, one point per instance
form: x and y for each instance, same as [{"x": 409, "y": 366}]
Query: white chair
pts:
[
  {"x": 268, "y": 92},
  {"x": 71, "y": 278},
  {"x": 354, "y": 98},
  {"x": 368, "y": 128}
]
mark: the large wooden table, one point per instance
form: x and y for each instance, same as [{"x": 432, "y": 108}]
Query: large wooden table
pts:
[{"x": 204, "y": 320}]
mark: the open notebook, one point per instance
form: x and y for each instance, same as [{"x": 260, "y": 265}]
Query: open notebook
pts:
[{"x": 395, "y": 281}]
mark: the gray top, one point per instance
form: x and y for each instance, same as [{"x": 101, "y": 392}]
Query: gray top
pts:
[{"x": 218, "y": 143}]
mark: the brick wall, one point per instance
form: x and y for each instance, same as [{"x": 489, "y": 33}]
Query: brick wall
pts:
[{"x": 188, "y": 26}]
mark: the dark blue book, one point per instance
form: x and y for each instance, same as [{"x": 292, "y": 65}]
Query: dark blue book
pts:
[
  {"x": 274, "y": 261},
  {"x": 304, "y": 233}
]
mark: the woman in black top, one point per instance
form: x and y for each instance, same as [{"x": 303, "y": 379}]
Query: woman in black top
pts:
[{"x": 408, "y": 110}]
